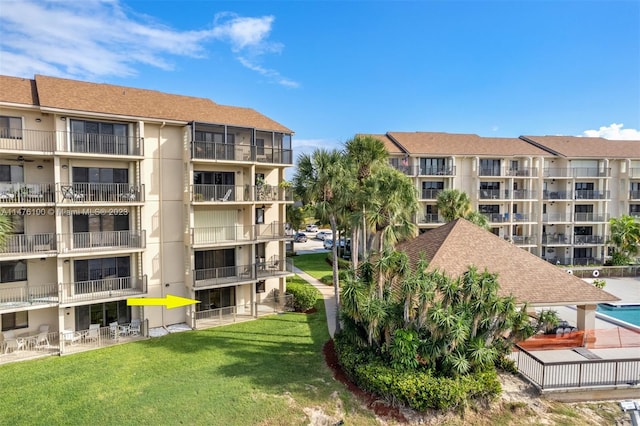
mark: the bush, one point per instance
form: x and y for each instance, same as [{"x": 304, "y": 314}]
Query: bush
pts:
[
  {"x": 418, "y": 389},
  {"x": 304, "y": 295}
]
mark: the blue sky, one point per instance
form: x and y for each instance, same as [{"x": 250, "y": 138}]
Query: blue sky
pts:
[{"x": 331, "y": 69}]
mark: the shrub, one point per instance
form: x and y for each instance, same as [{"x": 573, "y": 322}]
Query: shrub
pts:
[
  {"x": 304, "y": 295},
  {"x": 599, "y": 283},
  {"x": 506, "y": 364},
  {"x": 327, "y": 279}
]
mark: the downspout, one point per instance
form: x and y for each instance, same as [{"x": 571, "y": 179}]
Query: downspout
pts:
[{"x": 160, "y": 194}]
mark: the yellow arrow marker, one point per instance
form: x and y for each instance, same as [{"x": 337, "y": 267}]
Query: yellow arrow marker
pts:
[{"x": 170, "y": 301}]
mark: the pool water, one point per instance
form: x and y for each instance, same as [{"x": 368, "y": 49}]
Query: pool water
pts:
[{"x": 628, "y": 313}]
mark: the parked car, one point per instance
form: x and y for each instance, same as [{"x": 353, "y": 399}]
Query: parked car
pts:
[
  {"x": 327, "y": 243},
  {"x": 311, "y": 228},
  {"x": 322, "y": 235},
  {"x": 300, "y": 237}
]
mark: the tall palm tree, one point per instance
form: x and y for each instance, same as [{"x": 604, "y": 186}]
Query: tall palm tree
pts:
[
  {"x": 6, "y": 228},
  {"x": 364, "y": 153},
  {"x": 453, "y": 204},
  {"x": 317, "y": 181},
  {"x": 625, "y": 234}
]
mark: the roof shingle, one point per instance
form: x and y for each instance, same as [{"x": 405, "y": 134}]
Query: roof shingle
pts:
[{"x": 580, "y": 147}]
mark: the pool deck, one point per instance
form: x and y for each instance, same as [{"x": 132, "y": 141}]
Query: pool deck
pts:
[{"x": 627, "y": 289}]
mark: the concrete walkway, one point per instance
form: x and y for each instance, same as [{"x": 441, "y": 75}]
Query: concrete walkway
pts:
[{"x": 327, "y": 294}]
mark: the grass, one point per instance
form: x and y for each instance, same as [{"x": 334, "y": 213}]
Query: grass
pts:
[
  {"x": 314, "y": 264},
  {"x": 259, "y": 372}
]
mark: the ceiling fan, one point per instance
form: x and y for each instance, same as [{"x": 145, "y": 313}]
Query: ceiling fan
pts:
[{"x": 20, "y": 159}]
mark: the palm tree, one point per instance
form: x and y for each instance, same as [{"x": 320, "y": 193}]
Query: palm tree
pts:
[
  {"x": 317, "y": 181},
  {"x": 6, "y": 228},
  {"x": 625, "y": 234},
  {"x": 453, "y": 204},
  {"x": 363, "y": 153}
]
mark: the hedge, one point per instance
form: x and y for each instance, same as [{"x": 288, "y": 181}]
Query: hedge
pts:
[{"x": 304, "y": 295}]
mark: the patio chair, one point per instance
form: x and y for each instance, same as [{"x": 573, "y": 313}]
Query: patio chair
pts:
[
  {"x": 131, "y": 195},
  {"x": 68, "y": 193},
  {"x": 114, "y": 331},
  {"x": 226, "y": 196},
  {"x": 134, "y": 327},
  {"x": 42, "y": 339},
  {"x": 93, "y": 334},
  {"x": 71, "y": 337},
  {"x": 11, "y": 342}
]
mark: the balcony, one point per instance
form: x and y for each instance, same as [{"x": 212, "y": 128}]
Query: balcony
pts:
[
  {"x": 25, "y": 244},
  {"x": 100, "y": 193},
  {"x": 15, "y": 297},
  {"x": 202, "y": 150},
  {"x": 274, "y": 267},
  {"x": 557, "y": 195},
  {"x": 634, "y": 195},
  {"x": 430, "y": 194},
  {"x": 86, "y": 291},
  {"x": 576, "y": 172},
  {"x": 212, "y": 235},
  {"x": 494, "y": 194},
  {"x": 634, "y": 172},
  {"x": 216, "y": 277},
  {"x": 271, "y": 231},
  {"x": 590, "y": 217},
  {"x": 437, "y": 171},
  {"x": 430, "y": 218},
  {"x": 556, "y": 217},
  {"x": 555, "y": 239},
  {"x": 203, "y": 193},
  {"x": 496, "y": 217},
  {"x": 588, "y": 239},
  {"x": 26, "y": 193},
  {"x": 524, "y": 194},
  {"x": 91, "y": 242},
  {"x": 87, "y": 143},
  {"x": 521, "y": 240},
  {"x": 586, "y": 261},
  {"x": 526, "y": 172},
  {"x": 20, "y": 140},
  {"x": 518, "y": 217},
  {"x": 582, "y": 194}
]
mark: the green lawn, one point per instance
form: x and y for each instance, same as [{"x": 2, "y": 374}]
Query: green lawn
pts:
[
  {"x": 314, "y": 264},
  {"x": 258, "y": 372}
]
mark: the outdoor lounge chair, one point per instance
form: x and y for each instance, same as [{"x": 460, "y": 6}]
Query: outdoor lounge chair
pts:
[
  {"x": 134, "y": 327},
  {"x": 93, "y": 334},
  {"x": 226, "y": 196},
  {"x": 69, "y": 194}
]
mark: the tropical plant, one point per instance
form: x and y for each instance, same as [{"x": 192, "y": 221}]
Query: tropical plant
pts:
[
  {"x": 625, "y": 234},
  {"x": 6, "y": 228},
  {"x": 317, "y": 181},
  {"x": 295, "y": 216},
  {"x": 453, "y": 204}
]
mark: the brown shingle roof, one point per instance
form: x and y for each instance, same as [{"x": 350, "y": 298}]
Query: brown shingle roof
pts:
[
  {"x": 17, "y": 90},
  {"x": 453, "y": 247},
  {"x": 579, "y": 147},
  {"x": 391, "y": 147},
  {"x": 72, "y": 95},
  {"x": 435, "y": 143}
]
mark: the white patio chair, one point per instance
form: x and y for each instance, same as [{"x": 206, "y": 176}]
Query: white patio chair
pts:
[
  {"x": 42, "y": 339},
  {"x": 93, "y": 334},
  {"x": 134, "y": 327},
  {"x": 226, "y": 196},
  {"x": 68, "y": 193}
]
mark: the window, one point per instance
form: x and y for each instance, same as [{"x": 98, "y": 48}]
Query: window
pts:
[
  {"x": 260, "y": 215},
  {"x": 259, "y": 146},
  {"x": 215, "y": 263},
  {"x": 10, "y": 127},
  {"x": 100, "y": 175},
  {"x": 101, "y": 268},
  {"x": 103, "y": 314},
  {"x": 489, "y": 208},
  {"x": 11, "y": 174},
  {"x": 260, "y": 287},
  {"x": 215, "y": 298},
  {"x": 432, "y": 166},
  {"x": 13, "y": 271},
  {"x": 431, "y": 189},
  {"x": 634, "y": 210},
  {"x": 584, "y": 208},
  {"x": 15, "y": 320},
  {"x": 489, "y": 167}
]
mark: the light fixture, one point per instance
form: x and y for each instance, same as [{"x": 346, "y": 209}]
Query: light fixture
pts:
[
  {"x": 38, "y": 120},
  {"x": 67, "y": 261},
  {"x": 63, "y": 118},
  {"x": 39, "y": 167},
  {"x": 42, "y": 259},
  {"x": 263, "y": 206},
  {"x": 64, "y": 166}
]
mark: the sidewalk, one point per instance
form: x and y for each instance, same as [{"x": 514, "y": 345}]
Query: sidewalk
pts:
[{"x": 328, "y": 295}]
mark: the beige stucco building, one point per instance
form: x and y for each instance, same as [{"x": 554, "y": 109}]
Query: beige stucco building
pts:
[
  {"x": 117, "y": 192},
  {"x": 551, "y": 195}
]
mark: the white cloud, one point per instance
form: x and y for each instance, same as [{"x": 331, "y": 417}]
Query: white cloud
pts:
[
  {"x": 614, "y": 131},
  {"x": 97, "y": 38}
]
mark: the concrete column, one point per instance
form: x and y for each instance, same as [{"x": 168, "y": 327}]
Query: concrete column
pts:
[{"x": 586, "y": 318}]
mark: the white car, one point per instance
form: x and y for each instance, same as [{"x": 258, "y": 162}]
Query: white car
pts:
[
  {"x": 311, "y": 228},
  {"x": 322, "y": 235},
  {"x": 327, "y": 243}
]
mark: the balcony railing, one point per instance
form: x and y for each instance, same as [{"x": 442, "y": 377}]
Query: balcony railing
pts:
[
  {"x": 526, "y": 172},
  {"x": 26, "y": 193},
  {"x": 494, "y": 194},
  {"x": 582, "y": 194},
  {"x": 634, "y": 195},
  {"x": 524, "y": 194},
  {"x": 80, "y": 291},
  {"x": 430, "y": 194},
  {"x": 521, "y": 240},
  {"x": 19, "y": 296},
  {"x": 101, "y": 241},
  {"x": 100, "y": 193},
  {"x": 29, "y": 243},
  {"x": 556, "y": 217},
  {"x": 495, "y": 217},
  {"x": 271, "y": 231},
  {"x": 87, "y": 143},
  {"x": 519, "y": 217},
  {"x": 569, "y": 172},
  {"x": 556, "y": 239},
  {"x": 590, "y": 217},
  {"x": 222, "y": 234},
  {"x": 430, "y": 218},
  {"x": 557, "y": 195},
  {"x": 586, "y": 261},
  {"x": 491, "y": 171},
  {"x": 202, "y": 150},
  {"x": 273, "y": 267},
  {"x": 223, "y": 276},
  {"x": 437, "y": 171},
  {"x": 27, "y": 140},
  {"x": 634, "y": 172},
  {"x": 588, "y": 239}
]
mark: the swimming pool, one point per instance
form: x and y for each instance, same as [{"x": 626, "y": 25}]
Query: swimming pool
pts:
[{"x": 626, "y": 313}]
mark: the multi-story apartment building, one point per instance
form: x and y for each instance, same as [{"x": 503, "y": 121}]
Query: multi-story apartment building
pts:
[
  {"x": 116, "y": 192},
  {"x": 551, "y": 195}
]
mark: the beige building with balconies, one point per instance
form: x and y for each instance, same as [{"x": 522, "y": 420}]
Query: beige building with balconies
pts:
[
  {"x": 551, "y": 195},
  {"x": 117, "y": 192}
]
